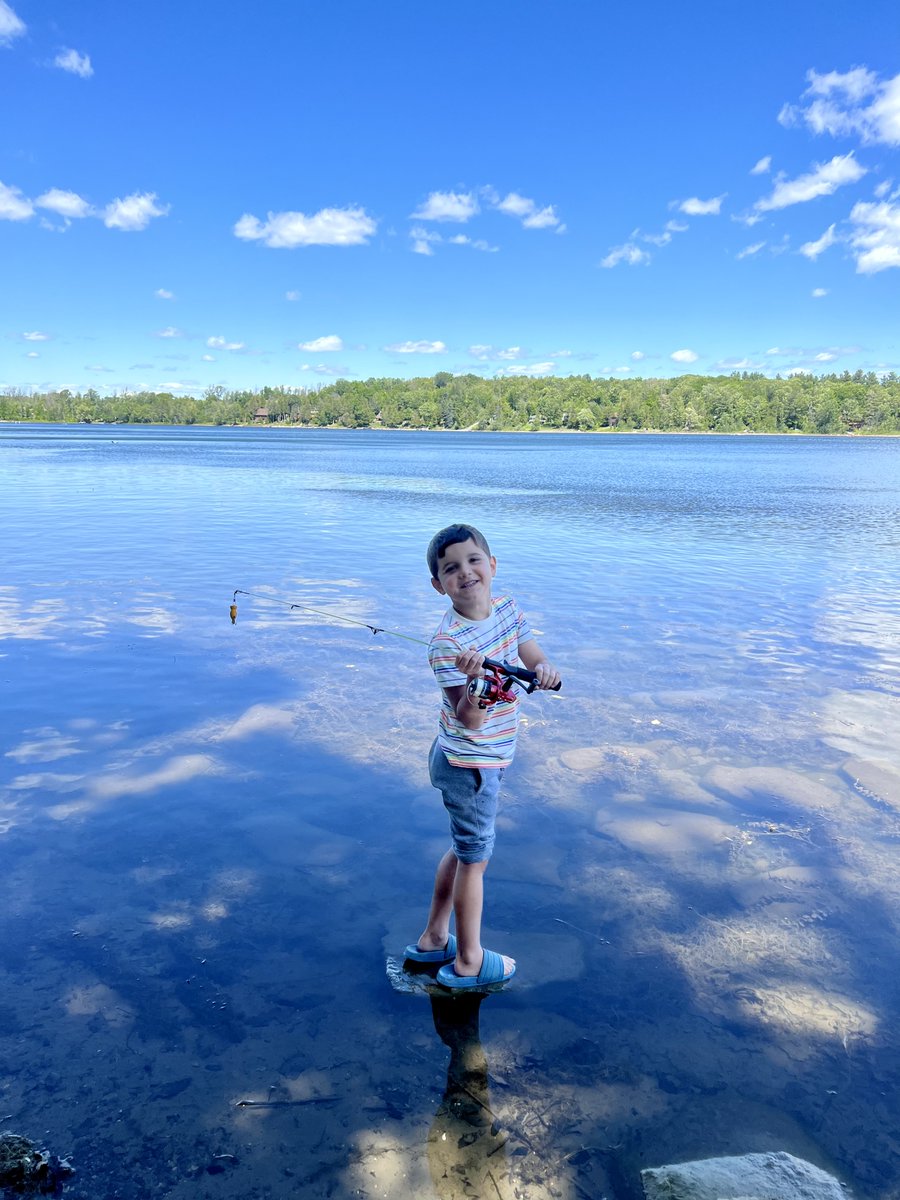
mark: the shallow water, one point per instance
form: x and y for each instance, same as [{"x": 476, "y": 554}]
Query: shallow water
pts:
[{"x": 215, "y": 840}]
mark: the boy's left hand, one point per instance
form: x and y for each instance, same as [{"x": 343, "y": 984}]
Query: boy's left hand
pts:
[{"x": 547, "y": 676}]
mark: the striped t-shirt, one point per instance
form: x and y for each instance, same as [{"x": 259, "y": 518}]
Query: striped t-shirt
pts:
[{"x": 498, "y": 637}]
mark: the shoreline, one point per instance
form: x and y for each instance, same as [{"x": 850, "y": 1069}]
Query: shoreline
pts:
[{"x": 349, "y": 429}]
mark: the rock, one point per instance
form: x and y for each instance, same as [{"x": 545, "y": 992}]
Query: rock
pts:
[
  {"x": 664, "y": 831},
  {"x": 25, "y": 1169},
  {"x": 773, "y": 1176},
  {"x": 876, "y": 780},
  {"x": 779, "y": 783}
]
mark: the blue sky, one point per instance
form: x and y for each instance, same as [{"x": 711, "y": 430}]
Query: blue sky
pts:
[{"x": 197, "y": 194}]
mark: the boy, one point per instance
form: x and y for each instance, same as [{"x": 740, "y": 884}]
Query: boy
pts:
[{"x": 474, "y": 746}]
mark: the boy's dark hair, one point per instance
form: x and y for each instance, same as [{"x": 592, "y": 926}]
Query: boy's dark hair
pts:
[{"x": 450, "y": 537}]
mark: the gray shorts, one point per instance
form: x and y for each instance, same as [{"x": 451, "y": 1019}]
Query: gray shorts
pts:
[{"x": 470, "y": 798}]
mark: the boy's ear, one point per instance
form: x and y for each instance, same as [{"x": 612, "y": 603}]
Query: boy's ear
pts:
[
  {"x": 438, "y": 586},
  {"x": 493, "y": 566}
]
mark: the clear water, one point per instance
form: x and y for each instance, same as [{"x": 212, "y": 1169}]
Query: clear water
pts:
[{"x": 215, "y": 840}]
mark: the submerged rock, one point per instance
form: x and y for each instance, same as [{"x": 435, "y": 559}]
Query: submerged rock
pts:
[
  {"x": 774, "y": 1176},
  {"x": 26, "y": 1169}
]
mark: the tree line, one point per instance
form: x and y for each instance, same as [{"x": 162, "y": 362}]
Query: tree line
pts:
[{"x": 862, "y": 402}]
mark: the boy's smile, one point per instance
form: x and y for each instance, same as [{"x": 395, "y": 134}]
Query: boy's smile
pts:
[{"x": 465, "y": 573}]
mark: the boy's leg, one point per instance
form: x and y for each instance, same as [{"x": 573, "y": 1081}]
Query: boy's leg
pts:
[
  {"x": 468, "y": 902},
  {"x": 437, "y": 930}
]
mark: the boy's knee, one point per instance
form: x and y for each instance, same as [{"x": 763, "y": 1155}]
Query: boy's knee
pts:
[
  {"x": 476, "y": 854},
  {"x": 476, "y": 868}
]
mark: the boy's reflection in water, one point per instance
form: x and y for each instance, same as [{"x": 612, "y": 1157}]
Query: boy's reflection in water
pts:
[{"x": 466, "y": 1142}]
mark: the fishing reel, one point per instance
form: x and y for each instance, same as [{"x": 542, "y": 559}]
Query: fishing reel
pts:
[
  {"x": 490, "y": 688},
  {"x": 498, "y": 681}
]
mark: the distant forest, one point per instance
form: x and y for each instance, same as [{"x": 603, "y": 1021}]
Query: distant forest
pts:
[{"x": 858, "y": 403}]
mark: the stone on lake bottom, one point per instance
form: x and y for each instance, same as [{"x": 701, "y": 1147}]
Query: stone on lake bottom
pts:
[{"x": 773, "y": 1176}]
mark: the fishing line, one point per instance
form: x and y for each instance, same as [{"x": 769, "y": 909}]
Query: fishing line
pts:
[
  {"x": 497, "y": 683},
  {"x": 375, "y": 629}
]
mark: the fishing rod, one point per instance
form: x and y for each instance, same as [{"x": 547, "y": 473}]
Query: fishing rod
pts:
[{"x": 496, "y": 684}]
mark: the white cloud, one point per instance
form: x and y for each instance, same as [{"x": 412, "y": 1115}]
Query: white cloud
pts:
[
  {"x": 835, "y": 105},
  {"x": 447, "y": 206},
  {"x": 808, "y": 356},
  {"x": 629, "y": 253},
  {"x": 812, "y": 250},
  {"x": 750, "y": 250},
  {"x": 763, "y": 166},
  {"x": 417, "y": 348},
  {"x": 36, "y": 336},
  {"x": 515, "y": 205},
  {"x": 662, "y": 239},
  {"x": 638, "y": 355},
  {"x": 738, "y": 364},
  {"x": 219, "y": 343},
  {"x": 164, "y": 294},
  {"x": 13, "y": 205},
  {"x": 701, "y": 208},
  {"x": 74, "y": 63},
  {"x": 32, "y": 354},
  {"x": 133, "y": 213},
  {"x": 11, "y": 26},
  {"x": 818, "y": 293},
  {"x": 320, "y": 344},
  {"x": 823, "y": 180},
  {"x": 65, "y": 204},
  {"x": 422, "y": 240},
  {"x": 292, "y": 295},
  {"x": 476, "y": 243},
  {"x": 684, "y": 356},
  {"x": 334, "y": 372},
  {"x": 492, "y": 354},
  {"x": 328, "y": 227},
  {"x": 876, "y": 238},
  {"x": 544, "y": 218},
  {"x": 527, "y": 211},
  {"x": 542, "y": 368},
  {"x": 208, "y": 357},
  {"x": 170, "y": 332}
]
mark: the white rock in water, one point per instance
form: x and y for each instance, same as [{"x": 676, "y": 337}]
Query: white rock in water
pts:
[{"x": 774, "y": 1176}]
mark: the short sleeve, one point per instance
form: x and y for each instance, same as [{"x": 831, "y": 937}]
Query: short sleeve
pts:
[{"x": 442, "y": 656}]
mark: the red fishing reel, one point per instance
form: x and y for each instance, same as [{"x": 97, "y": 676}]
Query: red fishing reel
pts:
[
  {"x": 499, "y": 681},
  {"x": 490, "y": 688}
]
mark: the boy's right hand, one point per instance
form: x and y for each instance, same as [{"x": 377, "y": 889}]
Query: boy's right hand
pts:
[{"x": 470, "y": 662}]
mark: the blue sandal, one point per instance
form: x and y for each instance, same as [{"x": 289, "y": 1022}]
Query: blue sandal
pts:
[
  {"x": 491, "y": 972},
  {"x": 414, "y": 954}
]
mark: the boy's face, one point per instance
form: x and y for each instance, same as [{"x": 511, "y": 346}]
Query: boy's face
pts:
[{"x": 464, "y": 574}]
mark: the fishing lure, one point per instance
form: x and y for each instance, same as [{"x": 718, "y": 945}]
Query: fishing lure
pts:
[{"x": 497, "y": 683}]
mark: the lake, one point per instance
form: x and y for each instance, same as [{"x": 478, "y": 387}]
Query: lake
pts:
[{"x": 216, "y": 838}]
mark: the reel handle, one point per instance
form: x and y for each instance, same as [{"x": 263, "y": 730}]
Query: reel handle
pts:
[{"x": 520, "y": 673}]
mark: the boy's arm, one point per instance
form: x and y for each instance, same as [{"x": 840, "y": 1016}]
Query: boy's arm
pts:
[
  {"x": 536, "y": 660},
  {"x": 467, "y": 710}
]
